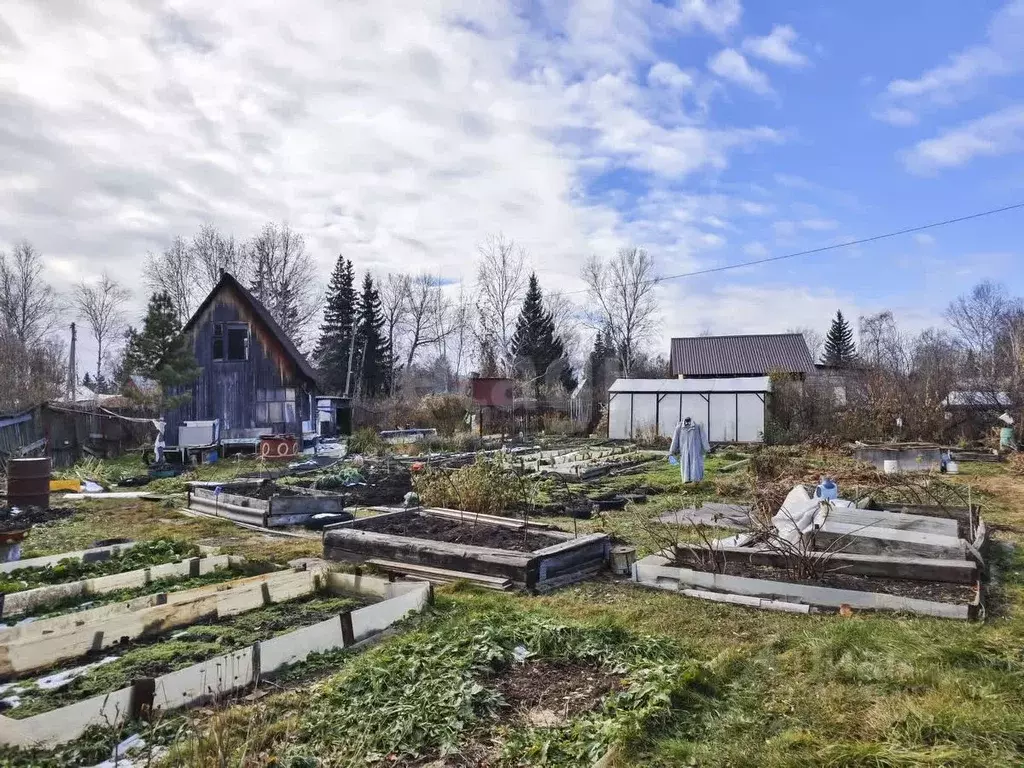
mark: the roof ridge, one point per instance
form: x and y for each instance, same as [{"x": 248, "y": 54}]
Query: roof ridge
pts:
[{"x": 736, "y": 336}]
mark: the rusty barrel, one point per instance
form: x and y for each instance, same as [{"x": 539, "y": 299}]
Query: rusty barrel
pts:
[{"x": 28, "y": 483}]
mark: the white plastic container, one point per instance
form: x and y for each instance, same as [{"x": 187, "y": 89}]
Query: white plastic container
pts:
[
  {"x": 952, "y": 468},
  {"x": 891, "y": 466}
]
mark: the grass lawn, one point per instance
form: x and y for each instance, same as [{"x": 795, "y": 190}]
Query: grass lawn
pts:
[{"x": 736, "y": 687}]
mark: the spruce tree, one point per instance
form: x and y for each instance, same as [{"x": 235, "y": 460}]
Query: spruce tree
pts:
[
  {"x": 374, "y": 359},
  {"x": 332, "y": 349},
  {"x": 535, "y": 347},
  {"x": 840, "y": 350},
  {"x": 88, "y": 383},
  {"x": 161, "y": 353}
]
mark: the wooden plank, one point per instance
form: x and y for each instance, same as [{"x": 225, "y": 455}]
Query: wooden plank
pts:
[
  {"x": 887, "y": 541},
  {"x": 572, "y": 543},
  {"x": 505, "y": 522},
  {"x": 914, "y": 568},
  {"x": 442, "y": 575},
  {"x": 894, "y": 520}
]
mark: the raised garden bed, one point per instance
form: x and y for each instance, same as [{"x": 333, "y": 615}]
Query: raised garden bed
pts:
[
  {"x": 530, "y": 555},
  {"x": 155, "y": 680},
  {"x": 264, "y": 504},
  {"x": 906, "y": 560},
  {"x": 69, "y": 567},
  {"x": 31, "y": 601}
]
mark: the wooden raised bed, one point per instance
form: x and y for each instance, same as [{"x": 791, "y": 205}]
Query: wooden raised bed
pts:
[
  {"x": 562, "y": 558},
  {"x": 236, "y": 502}
]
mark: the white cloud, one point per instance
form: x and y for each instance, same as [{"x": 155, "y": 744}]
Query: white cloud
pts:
[
  {"x": 398, "y": 133},
  {"x": 996, "y": 134},
  {"x": 923, "y": 238},
  {"x": 715, "y": 16},
  {"x": 730, "y": 64},
  {"x": 667, "y": 74},
  {"x": 966, "y": 72},
  {"x": 896, "y": 116},
  {"x": 776, "y": 47},
  {"x": 755, "y": 249},
  {"x": 787, "y": 228}
]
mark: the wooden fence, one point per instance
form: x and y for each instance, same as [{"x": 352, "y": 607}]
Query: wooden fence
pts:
[{"x": 67, "y": 433}]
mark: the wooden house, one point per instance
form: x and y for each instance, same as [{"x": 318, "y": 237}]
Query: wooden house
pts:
[{"x": 254, "y": 380}]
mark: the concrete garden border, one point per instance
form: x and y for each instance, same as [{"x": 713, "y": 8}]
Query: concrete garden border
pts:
[
  {"x": 571, "y": 560},
  {"x": 232, "y": 503},
  {"x": 232, "y": 672},
  {"x": 16, "y": 603},
  {"x": 657, "y": 571}
]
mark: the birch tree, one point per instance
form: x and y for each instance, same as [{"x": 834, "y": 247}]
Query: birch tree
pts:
[
  {"x": 622, "y": 302},
  {"x": 500, "y": 284},
  {"x": 100, "y": 305},
  {"x": 29, "y": 307}
]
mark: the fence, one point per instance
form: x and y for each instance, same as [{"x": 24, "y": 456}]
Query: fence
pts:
[{"x": 66, "y": 433}]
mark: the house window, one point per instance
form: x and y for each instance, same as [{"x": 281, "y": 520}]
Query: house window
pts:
[
  {"x": 231, "y": 341},
  {"x": 275, "y": 406}
]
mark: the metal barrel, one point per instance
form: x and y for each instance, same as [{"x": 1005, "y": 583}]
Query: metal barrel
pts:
[{"x": 28, "y": 483}]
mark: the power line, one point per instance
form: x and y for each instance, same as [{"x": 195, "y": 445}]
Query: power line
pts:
[{"x": 824, "y": 248}]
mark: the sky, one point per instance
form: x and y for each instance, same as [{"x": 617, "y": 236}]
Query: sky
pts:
[{"x": 401, "y": 133}]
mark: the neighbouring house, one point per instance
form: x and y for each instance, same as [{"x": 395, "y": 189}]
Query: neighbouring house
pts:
[
  {"x": 973, "y": 413},
  {"x": 253, "y": 382},
  {"x": 732, "y": 410},
  {"x": 722, "y": 382},
  {"x": 715, "y": 357}
]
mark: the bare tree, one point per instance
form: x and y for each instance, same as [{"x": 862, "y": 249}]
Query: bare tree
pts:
[
  {"x": 814, "y": 340},
  {"x": 284, "y": 278},
  {"x": 28, "y": 304},
  {"x": 623, "y": 304},
  {"x": 453, "y": 345},
  {"x": 500, "y": 283},
  {"x": 212, "y": 252},
  {"x": 427, "y": 317},
  {"x": 977, "y": 318},
  {"x": 567, "y": 316},
  {"x": 176, "y": 273},
  {"x": 393, "y": 289},
  {"x": 101, "y": 305}
]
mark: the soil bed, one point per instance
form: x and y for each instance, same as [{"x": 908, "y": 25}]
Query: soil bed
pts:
[
  {"x": 455, "y": 532},
  {"x": 549, "y": 693},
  {"x": 169, "y": 651},
  {"x": 28, "y": 516},
  {"x": 265, "y": 491},
  {"x": 922, "y": 590}
]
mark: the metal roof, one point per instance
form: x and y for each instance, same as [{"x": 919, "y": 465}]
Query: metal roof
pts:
[
  {"x": 672, "y": 386},
  {"x": 756, "y": 355}
]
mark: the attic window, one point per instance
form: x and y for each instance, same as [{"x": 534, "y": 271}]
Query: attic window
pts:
[{"x": 231, "y": 341}]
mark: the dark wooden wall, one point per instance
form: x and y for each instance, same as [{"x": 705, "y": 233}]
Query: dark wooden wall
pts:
[{"x": 227, "y": 390}]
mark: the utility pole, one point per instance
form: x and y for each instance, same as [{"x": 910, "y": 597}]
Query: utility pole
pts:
[
  {"x": 351, "y": 357},
  {"x": 72, "y": 371}
]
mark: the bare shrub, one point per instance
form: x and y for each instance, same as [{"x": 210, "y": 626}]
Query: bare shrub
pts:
[
  {"x": 446, "y": 413},
  {"x": 488, "y": 486}
]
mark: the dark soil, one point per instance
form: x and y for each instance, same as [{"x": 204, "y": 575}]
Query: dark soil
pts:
[
  {"x": 29, "y": 516},
  {"x": 456, "y": 532},
  {"x": 265, "y": 491},
  {"x": 555, "y": 691},
  {"x": 923, "y": 590}
]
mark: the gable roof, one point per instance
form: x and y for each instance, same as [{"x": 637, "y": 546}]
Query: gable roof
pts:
[
  {"x": 755, "y": 355},
  {"x": 227, "y": 280}
]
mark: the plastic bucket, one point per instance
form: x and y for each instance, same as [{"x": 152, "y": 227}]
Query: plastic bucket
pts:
[
  {"x": 952, "y": 468},
  {"x": 891, "y": 466}
]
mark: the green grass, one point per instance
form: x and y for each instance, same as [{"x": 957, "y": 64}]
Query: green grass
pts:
[{"x": 774, "y": 690}]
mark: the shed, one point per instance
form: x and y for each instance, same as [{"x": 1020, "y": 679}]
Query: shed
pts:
[
  {"x": 253, "y": 381},
  {"x": 731, "y": 409}
]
